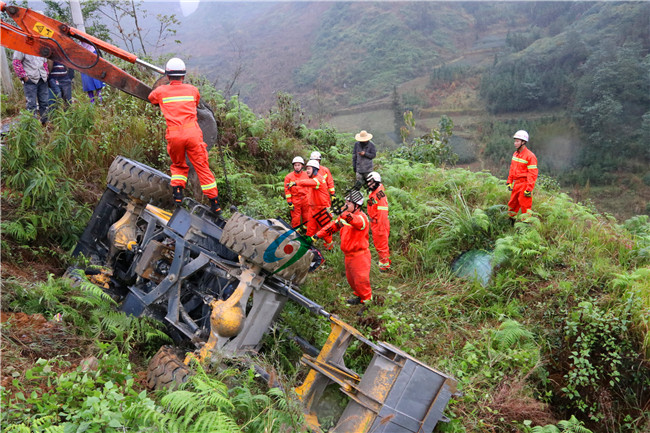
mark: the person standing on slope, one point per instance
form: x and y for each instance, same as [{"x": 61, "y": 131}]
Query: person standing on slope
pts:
[
  {"x": 60, "y": 83},
  {"x": 297, "y": 197},
  {"x": 319, "y": 201},
  {"x": 33, "y": 73},
  {"x": 363, "y": 154},
  {"x": 379, "y": 224},
  {"x": 178, "y": 102},
  {"x": 522, "y": 176},
  {"x": 355, "y": 229},
  {"x": 326, "y": 173}
]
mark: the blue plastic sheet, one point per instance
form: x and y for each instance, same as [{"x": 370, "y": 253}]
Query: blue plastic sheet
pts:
[{"x": 474, "y": 265}]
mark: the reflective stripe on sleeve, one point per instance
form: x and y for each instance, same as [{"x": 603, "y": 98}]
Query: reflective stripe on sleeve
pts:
[
  {"x": 382, "y": 208},
  {"x": 531, "y": 167}
]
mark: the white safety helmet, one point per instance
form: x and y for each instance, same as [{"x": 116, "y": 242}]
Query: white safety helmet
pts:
[
  {"x": 175, "y": 67},
  {"x": 522, "y": 135},
  {"x": 313, "y": 163},
  {"x": 298, "y": 159},
  {"x": 374, "y": 176},
  {"x": 315, "y": 155},
  {"x": 355, "y": 197}
]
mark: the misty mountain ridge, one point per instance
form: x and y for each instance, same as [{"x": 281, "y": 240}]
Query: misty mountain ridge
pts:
[{"x": 349, "y": 53}]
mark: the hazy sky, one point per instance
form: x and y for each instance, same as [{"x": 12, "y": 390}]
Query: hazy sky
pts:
[{"x": 189, "y": 6}]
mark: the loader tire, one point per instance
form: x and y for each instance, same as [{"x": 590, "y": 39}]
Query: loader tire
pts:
[
  {"x": 251, "y": 239},
  {"x": 141, "y": 182},
  {"x": 167, "y": 370}
]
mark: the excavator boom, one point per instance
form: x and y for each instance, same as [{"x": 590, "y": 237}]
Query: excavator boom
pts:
[{"x": 42, "y": 36}]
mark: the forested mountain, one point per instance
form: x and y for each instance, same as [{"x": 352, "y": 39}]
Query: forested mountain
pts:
[
  {"x": 359, "y": 51},
  {"x": 597, "y": 70},
  {"x": 574, "y": 73}
]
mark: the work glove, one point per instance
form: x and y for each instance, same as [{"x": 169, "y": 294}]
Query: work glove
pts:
[
  {"x": 290, "y": 206},
  {"x": 528, "y": 193},
  {"x": 313, "y": 239},
  {"x": 291, "y": 184},
  {"x": 509, "y": 186}
]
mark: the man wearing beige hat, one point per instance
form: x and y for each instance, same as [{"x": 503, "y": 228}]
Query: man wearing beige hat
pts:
[{"x": 363, "y": 154}]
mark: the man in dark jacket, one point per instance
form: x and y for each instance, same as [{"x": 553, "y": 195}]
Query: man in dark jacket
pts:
[{"x": 363, "y": 154}]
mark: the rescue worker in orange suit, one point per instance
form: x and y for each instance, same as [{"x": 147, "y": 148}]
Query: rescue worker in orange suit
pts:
[
  {"x": 355, "y": 229},
  {"x": 297, "y": 197},
  {"x": 178, "y": 101},
  {"x": 319, "y": 201},
  {"x": 522, "y": 176},
  {"x": 379, "y": 224},
  {"x": 326, "y": 173}
]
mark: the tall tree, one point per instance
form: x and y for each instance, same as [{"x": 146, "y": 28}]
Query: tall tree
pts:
[{"x": 132, "y": 25}]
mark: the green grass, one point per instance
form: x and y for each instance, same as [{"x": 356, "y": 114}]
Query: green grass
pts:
[{"x": 567, "y": 281}]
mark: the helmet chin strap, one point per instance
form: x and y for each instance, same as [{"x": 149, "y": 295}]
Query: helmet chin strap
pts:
[{"x": 522, "y": 145}]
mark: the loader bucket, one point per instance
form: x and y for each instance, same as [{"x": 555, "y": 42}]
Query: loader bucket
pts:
[{"x": 396, "y": 393}]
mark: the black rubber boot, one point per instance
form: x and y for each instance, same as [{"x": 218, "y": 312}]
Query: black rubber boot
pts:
[
  {"x": 178, "y": 195},
  {"x": 215, "y": 207},
  {"x": 354, "y": 301}
]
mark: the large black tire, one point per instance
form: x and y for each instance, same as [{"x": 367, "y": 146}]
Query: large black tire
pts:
[
  {"x": 251, "y": 239},
  {"x": 141, "y": 182},
  {"x": 167, "y": 370}
]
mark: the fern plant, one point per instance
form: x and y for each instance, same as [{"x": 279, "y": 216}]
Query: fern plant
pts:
[
  {"x": 270, "y": 412},
  {"x": 510, "y": 334},
  {"x": 202, "y": 404},
  {"x": 520, "y": 250},
  {"x": 572, "y": 425}
]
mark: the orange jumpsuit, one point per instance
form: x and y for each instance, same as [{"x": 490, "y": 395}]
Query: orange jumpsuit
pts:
[
  {"x": 178, "y": 102},
  {"x": 327, "y": 175},
  {"x": 355, "y": 230},
  {"x": 523, "y": 172},
  {"x": 319, "y": 201},
  {"x": 299, "y": 197},
  {"x": 378, "y": 213}
]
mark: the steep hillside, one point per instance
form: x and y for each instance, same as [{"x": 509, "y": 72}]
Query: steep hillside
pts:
[{"x": 556, "y": 338}]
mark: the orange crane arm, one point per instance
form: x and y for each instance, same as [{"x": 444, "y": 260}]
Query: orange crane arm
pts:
[{"x": 42, "y": 36}]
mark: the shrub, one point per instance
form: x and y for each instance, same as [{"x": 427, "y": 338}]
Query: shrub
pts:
[
  {"x": 37, "y": 184},
  {"x": 598, "y": 359}
]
